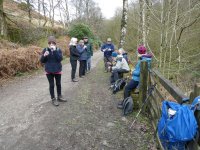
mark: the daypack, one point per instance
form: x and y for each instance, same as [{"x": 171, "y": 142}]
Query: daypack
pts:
[
  {"x": 118, "y": 85},
  {"x": 127, "y": 106},
  {"x": 176, "y": 126}
]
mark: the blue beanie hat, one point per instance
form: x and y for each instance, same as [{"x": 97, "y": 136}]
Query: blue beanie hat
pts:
[{"x": 114, "y": 54}]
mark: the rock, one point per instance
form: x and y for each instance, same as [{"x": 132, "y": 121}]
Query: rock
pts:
[{"x": 110, "y": 124}]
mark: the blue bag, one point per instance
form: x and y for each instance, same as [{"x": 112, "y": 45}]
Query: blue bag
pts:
[{"x": 175, "y": 130}]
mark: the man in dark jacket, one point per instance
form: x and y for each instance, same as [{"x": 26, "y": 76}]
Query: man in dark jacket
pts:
[
  {"x": 89, "y": 54},
  {"x": 52, "y": 57},
  {"x": 107, "y": 48}
]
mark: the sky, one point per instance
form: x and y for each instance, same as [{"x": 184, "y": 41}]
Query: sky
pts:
[{"x": 108, "y": 7}]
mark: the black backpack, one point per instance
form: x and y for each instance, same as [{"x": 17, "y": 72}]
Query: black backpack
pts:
[
  {"x": 127, "y": 106},
  {"x": 118, "y": 85}
]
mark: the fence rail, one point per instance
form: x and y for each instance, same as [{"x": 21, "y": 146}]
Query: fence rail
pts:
[{"x": 164, "y": 87}]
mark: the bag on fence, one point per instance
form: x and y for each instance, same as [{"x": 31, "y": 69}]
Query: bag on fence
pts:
[
  {"x": 119, "y": 85},
  {"x": 176, "y": 126},
  {"x": 127, "y": 106}
]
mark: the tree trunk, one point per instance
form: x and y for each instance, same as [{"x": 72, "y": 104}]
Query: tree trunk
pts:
[
  {"x": 44, "y": 12},
  {"x": 142, "y": 23},
  {"x": 66, "y": 14},
  {"x": 124, "y": 23},
  {"x": 3, "y": 26},
  {"x": 29, "y": 10},
  {"x": 39, "y": 10}
]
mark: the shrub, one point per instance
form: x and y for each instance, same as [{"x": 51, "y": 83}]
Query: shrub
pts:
[{"x": 80, "y": 30}]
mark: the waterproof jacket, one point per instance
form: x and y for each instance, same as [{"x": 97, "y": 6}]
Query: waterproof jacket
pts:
[
  {"x": 82, "y": 51},
  {"x": 74, "y": 53},
  {"x": 52, "y": 61},
  {"x": 121, "y": 64},
  {"x": 107, "y": 49},
  {"x": 89, "y": 49},
  {"x": 136, "y": 71}
]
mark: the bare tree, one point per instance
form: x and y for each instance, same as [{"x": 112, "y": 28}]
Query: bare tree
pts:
[
  {"x": 142, "y": 22},
  {"x": 124, "y": 23},
  {"x": 3, "y": 26}
]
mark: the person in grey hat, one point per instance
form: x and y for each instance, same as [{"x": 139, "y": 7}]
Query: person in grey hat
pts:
[{"x": 52, "y": 57}]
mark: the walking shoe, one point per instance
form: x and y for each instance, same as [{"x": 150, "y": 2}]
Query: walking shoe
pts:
[
  {"x": 74, "y": 80},
  {"x": 81, "y": 77},
  {"x": 55, "y": 102},
  {"x": 61, "y": 99},
  {"x": 120, "y": 105}
]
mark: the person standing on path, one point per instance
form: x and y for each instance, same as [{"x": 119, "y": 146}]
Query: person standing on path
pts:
[
  {"x": 107, "y": 48},
  {"x": 52, "y": 57},
  {"x": 74, "y": 56},
  {"x": 89, "y": 54},
  {"x": 83, "y": 58}
]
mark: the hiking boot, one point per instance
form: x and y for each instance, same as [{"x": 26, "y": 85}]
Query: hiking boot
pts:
[
  {"x": 55, "y": 102},
  {"x": 61, "y": 99},
  {"x": 120, "y": 105},
  {"x": 74, "y": 80},
  {"x": 81, "y": 76}
]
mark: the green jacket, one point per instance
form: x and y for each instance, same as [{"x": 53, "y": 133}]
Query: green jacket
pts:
[{"x": 89, "y": 50}]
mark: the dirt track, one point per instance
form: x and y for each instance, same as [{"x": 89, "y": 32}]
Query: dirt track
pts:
[{"x": 89, "y": 120}]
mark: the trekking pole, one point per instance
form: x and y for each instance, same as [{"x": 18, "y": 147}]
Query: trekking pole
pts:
[{"x": 150, "y": 90}]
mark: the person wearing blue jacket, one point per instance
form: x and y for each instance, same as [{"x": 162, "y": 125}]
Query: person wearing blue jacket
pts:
[
  {"x": 51, "y": 58},
  {"x": 134, "y": 82},
  {"x": 107, "y": 48},
  {"x": 82, "y": 49}
]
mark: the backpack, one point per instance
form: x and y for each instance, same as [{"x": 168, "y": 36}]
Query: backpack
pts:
[
  {"x": 127, "y": 106},
  {"x": 118, "y": 85},
  {"x": 176, "y": 126}
]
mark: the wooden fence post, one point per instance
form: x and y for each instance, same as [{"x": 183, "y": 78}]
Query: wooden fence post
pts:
[{"x": 143, "y": 82}]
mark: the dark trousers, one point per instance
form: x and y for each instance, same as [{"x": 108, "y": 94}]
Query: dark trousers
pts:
[
  {"x": 115, "y": 74},
  {"x": 50, "y": 78},
  {"x": 82, "y": 68},
  {"x": 129, "y": 87},
  {"x": 73, "y": 65},
  {"x": 106, "y": 60}
]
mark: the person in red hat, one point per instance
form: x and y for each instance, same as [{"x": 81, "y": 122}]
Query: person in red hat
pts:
[
  {"x": 52, "y": 57},
  {"x": 134, "y": 82}
]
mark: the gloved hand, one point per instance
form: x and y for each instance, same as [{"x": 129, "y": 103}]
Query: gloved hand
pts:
[
  {"x": 46, "y": 53},
  {"x": 85, "y": 47}
]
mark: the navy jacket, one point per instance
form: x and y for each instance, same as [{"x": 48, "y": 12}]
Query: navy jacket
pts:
[
  {"x": 82, "y": 51},
  {"x": 107, "y": 49},
  {"x": 74, "y": 54},
  {"x": 52, "y": 61}
]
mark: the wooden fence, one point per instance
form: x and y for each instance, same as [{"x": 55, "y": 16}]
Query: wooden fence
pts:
[{"x": 163, "y": 87}]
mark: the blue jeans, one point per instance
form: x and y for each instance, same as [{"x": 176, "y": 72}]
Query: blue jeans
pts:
[
  {"x": 129, "y": 87},
  {"x": 88, "y": 65}
]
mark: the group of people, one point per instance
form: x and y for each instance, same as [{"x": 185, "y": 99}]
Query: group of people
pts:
[
  {"x": 117, "y": 63},
  {"x": 52, "y": 56}
]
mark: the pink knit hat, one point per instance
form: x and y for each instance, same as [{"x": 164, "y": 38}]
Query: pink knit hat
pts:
[{"x": 142, "y": 49}]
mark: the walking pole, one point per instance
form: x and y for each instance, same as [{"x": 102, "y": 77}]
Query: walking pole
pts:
[{"x": 150, "y": 90}]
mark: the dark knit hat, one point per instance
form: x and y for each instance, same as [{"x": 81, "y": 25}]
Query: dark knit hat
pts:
[{"x": 51, "y": 39}]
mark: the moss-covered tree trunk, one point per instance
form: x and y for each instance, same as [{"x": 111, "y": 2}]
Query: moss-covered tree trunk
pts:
[
  {"x": 124, "y": 23},
  {"x": 3, "y": 26}
]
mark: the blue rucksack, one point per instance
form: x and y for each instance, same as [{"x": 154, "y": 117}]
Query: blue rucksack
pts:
[{"x": 176, "y": 126}]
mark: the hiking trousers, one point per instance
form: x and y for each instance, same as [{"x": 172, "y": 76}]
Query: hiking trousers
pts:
[
  {"x": 74, "y": 66},
  {"x": 106, "y": 60},
  {"x": 115, "y": 74},
  {"x": 129, "y": 87},
  {"x": 51, "y": 78},
  {"x": 82, "y": 68}
]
